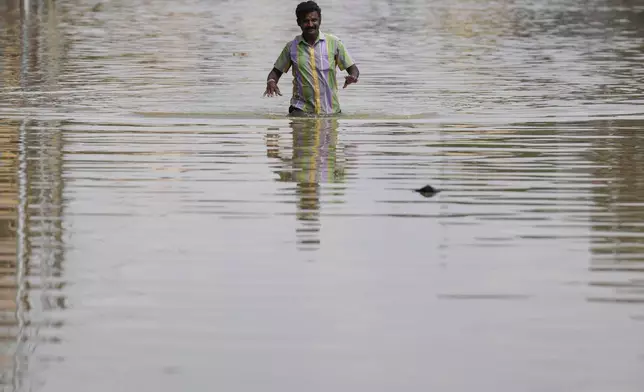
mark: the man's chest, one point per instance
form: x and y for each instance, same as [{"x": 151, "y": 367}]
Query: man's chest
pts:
[{"x": 313, "y": 58}]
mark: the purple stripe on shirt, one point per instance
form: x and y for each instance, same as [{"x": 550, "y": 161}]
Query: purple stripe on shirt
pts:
[{"x": 325, "y": 65}]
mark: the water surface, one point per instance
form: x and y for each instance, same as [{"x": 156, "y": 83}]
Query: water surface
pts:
[{"x": 163, "y": 227}]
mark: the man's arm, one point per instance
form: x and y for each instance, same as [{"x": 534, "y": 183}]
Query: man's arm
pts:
[
  {"x": 345, "y": 61},
  {"x": 271, "y": 83},
  {"x": 275, "y": 74},
  {"x": 353, "y": 71},
  {"x": 282, "y": 64},
  {"x": 354, "y": 74}
]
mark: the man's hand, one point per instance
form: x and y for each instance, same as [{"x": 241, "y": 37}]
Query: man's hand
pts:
[
  {"x": 272, "y": 89},
  {"x": 349, "y": 79}
]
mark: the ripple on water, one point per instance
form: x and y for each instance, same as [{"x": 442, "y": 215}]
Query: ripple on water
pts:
[{"x": 148, "y": 194}]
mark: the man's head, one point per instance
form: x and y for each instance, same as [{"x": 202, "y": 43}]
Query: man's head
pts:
[{"x": 309, "y": 17}]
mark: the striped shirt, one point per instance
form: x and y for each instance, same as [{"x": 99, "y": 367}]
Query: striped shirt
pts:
[{"x": 315, "y": 87}]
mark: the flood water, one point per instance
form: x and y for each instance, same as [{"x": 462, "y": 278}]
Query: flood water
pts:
[{"x": 163, "y": 227}]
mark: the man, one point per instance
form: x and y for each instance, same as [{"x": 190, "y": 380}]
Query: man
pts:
[{"x": 313, "y": 56}]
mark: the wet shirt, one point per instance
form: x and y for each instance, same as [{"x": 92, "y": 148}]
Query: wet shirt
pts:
[{"x": 315, "y": 87}]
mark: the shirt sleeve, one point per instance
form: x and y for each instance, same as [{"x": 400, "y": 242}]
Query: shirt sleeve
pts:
[
  {"x": 283, "y": 62},
  {"x": 342, "y": 56}
]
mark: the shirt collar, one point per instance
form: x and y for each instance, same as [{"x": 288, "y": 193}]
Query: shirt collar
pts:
[{"x": 321, "y": 37}]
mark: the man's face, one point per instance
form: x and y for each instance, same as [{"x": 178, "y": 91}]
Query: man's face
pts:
[{"x": 310, "y": 24}]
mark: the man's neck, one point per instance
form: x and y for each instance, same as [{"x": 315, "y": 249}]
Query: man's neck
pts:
[{"x": 311, "y": 40}]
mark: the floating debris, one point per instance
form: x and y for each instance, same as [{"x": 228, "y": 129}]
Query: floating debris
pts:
[{"x": 427, "y": 191}]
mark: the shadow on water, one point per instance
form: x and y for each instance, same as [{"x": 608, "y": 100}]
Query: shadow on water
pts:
[
  {"x": 31, "y": 205},
  {"x": 11, "y": 313},
  {"x": 31, "y": 247},
  {"x": 310, "y": 162},
  {"x": 618, "y": 222},
  {"x": 12, "y": 284}
]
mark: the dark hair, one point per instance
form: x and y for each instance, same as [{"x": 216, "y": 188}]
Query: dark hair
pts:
[{"x": 305, "y": 7}]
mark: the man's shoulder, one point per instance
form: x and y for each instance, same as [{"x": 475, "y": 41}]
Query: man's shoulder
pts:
[
  {"x": 331, "y": 37},
  {"x": 288, "y": 44},
  {"x": 297, "y": 38}
]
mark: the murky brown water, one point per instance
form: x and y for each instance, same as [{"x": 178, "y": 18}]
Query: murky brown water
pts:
[{"x": 163, "y": 227}]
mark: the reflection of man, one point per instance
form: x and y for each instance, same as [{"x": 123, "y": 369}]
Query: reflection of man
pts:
[
  {"x": 314, "y": 157},
  {"x": 314, "y": 161},
  {"x": 313, "y": 57}
]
